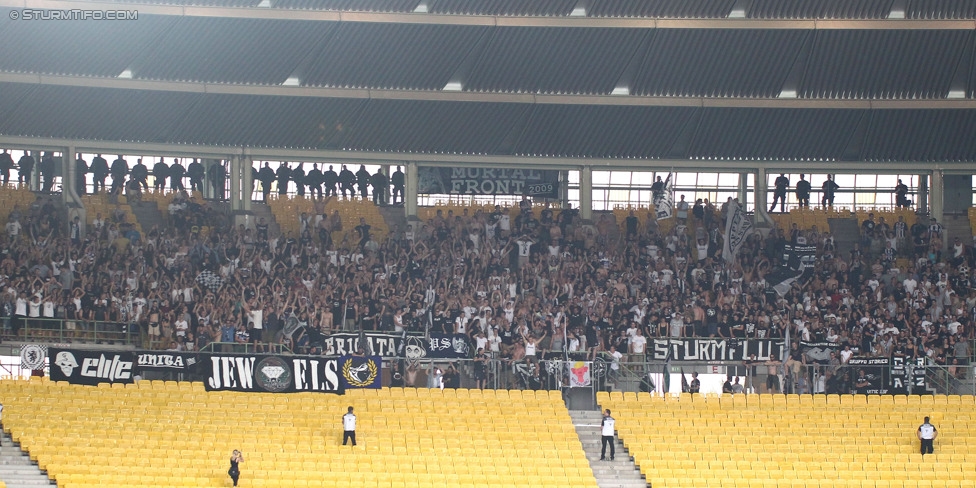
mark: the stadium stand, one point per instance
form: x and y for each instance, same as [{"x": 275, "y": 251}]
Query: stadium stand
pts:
[
  {"x": 287, "y": 212},
  {"x": 100, "y": 204},
  {"x": 12, "y": 199},
  {"x": 795, "y": 440},
  {"x": 176, "y": 434}
]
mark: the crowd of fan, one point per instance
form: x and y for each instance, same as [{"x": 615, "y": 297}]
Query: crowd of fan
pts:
[{"x": 521, "y": 288}]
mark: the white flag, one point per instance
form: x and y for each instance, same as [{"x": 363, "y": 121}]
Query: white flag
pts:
[
  {"x": 664, "y": 200},
  {"x": 737, "y": 227},
  {"x": 579, "y": 373}
]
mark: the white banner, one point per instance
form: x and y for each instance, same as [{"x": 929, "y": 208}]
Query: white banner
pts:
[
  {"x": 664, "y": 200},
  {"x": 737, "y": 227},
  {"x": 32, "y": 356},
  {"x": 579, "y": 373}
]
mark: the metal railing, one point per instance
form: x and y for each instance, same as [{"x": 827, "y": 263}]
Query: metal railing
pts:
[
  {"x": 663, "y": 377},
  {"x": 246, "y": 348},
  {"x": 39, "y": 329}
]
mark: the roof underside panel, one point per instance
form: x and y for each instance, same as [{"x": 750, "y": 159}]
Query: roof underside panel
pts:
[
  {"x": 554, "y": 60},
  {"x": 354, "y": 5},
  {"x": 12, "y": 95},
  {"x": 886, "y": 64},
  {"x": 76, "y": 47},
  {"x": 195, "y": 3},
  {"x": 603, "y": 131},
  {"x": 503, "y": 7},
  {"x": 223, "y": 50},
  {"x": 819, "y": 9},
  {"x": 941, "y": 9},
  {"x": 781, "y": 134},
  {"x": 432, "y": 127},
  {"x": 266, "y": 121},
  {"x": 403, "y": 56},
  {"x": 669, "y": 9},
  {"x": 96, "y": 113},
  {"x": 718, "y": 63},
  {"x": 921, "y": 135}
]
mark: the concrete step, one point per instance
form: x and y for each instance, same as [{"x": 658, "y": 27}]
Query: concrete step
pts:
[
  {"x": 16, "y": 468},
  {"x": 263, "y": 210},
  {"x": 621, "y": 472},
  {"x": 957, "y": 226},
  {"x": 395, "y": 216}
]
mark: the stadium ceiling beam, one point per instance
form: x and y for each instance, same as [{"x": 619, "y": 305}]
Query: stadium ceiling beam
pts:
[
  {"x": 469, "y": 160},
  {"x": 490, "y": 20},
  {"x": 485, "y": 97}
]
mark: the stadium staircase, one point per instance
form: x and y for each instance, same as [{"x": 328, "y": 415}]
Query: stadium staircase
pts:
[
  {"x": 846, "y": 232},
  {"x": 619, "y": 473},
  {"x": 148, "y": 215},
  {"x": 16, "y": 468},
  {"x": 394, "y": 216},
  {"x": 958, "y": 225},
  {"x": 262, "y": 210}
]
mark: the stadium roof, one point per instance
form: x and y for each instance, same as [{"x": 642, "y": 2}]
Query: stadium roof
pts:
[{"x": 544, "y": 78}]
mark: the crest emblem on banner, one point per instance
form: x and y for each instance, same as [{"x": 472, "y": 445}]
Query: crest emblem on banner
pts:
[
  {"x": 415, "y": 348},
  {"x": 272, "y": 374},
  {"x": 360, "y": 372},
  {"x": 32, "y": 356}
]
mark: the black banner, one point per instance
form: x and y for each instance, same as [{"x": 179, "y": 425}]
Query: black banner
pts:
[
  {"x": 717, "y": 349},
  {"x": 447, "y": 346},
  {"x": 818, "y": 352},
  {"x": 361, "y": 371},
  {"x": 272, "y": 374},
  {"x": 798, "y": 262},
  {"x": 85, "y": 367},
  {"x": 488, "y": 181},
  {"x": 871, "y": 375},
  {"x": 438, "y": 346},
  {"x": 166, "y": 361},
  {"x": 889, "y": 376}
]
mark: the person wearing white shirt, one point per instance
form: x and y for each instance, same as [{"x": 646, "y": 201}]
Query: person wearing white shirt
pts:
[
  {"x": 607, "y": 432},
  {"x": 181, "y": 326},
  {"x": 926, "y": 434},
  {"x": 349, "y": 427},
  {"x": 35, "y": 307},
  {"x": 638, "y": 344},
  {"x": 255, "y": 315}
]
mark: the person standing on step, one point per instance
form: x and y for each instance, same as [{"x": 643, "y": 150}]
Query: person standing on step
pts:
[
  {"x": 236, "y": 458},
  {"x": 6, "y": 164},
  {"x": 927, "y": 434},
  {"x": 99, "y": 171},
  {"x": 397, "y": 180},
  {"x": 119, "y": 170},
  {"x": 196, "y": 173},
  {"x": 781, "y": 184},
  {"x": 25, "y": 166},
  {"x": 160, "y": 173},
  {"x": 803, "y": 192},
  {"x": 607, "y": 431},
  {"x": 362, "y": 179},
  {"x": 266, "y": 176},
  {"x": 349, "y": 427},
  {"x": 139, "y": 174},
  {"x": 829, "y": 189},
  {"x": 330, "y": 179},
  {"x": 347, "y": 180},
  {"x": 176, "y": 174}
]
